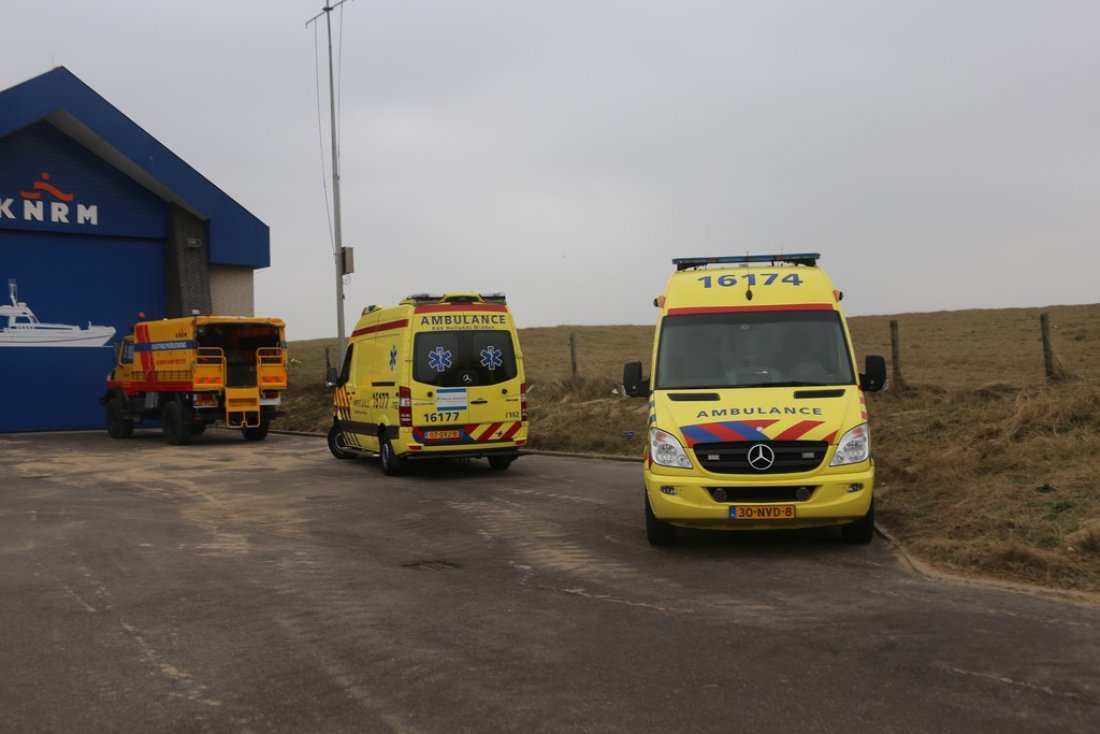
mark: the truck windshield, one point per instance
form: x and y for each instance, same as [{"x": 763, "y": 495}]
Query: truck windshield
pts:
[
  {"x": 753, "y": 349},
  {"x": 463, "y": 358}
]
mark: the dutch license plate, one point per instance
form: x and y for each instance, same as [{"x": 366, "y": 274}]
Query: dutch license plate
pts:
[
  {"x": 441, "y": 435},
  {"x": 765, "y": 512}
]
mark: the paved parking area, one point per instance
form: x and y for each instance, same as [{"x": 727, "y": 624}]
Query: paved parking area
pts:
[{"x": 233, "y": 586}]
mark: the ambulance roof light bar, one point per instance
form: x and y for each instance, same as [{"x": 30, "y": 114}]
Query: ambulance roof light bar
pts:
[
  {"x": 800, "y": 258},
  {"x": 418, "y": 298},
  {"x": 423, "y": 298}
]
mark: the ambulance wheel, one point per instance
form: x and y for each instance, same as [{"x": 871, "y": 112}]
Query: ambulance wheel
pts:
[
  {"x": 177, "y": 432},
  {"x": 658, "y": 533},
  {"x": 500, "y": 463},
  {"x": 862, "y": 530},
  {"x": 118, "y": 425},
  {"x": 337, "y": 444},
  {"x": 257, "y": 433},
  {"x": 392, "y": 464}
]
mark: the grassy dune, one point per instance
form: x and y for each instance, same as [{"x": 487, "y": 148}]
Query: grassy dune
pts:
[{"x": 983, "y": 466}]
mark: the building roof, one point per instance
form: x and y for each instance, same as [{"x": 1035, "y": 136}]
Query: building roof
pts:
[{"x": 236, "y": 237}]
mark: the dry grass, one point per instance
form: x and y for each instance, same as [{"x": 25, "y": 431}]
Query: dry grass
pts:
[
  {"x": 983, "y": 468},
  {"x": 960, "y": 350},
  {"x": 1001, "y": 482},
  {"x": 308, "y": 403}
]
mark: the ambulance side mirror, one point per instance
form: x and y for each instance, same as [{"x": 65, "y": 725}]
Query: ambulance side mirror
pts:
[
  {"x": 331, "y": 378},
  {"x": 874, "y": 377},
  {"x": 635, "y": 385}
]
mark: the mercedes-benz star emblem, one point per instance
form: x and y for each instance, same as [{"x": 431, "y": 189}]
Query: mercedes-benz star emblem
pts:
[{"x": 761, "y": 457}]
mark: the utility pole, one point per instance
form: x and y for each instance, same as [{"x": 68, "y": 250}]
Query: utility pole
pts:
[{"x": 338, "y": 245}]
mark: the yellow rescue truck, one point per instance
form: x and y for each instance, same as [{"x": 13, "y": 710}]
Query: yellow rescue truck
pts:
[
  {"x": 434, "y": 377},
  {"x": 757, "y": 417},
  {"x": 192, "y": 372}
]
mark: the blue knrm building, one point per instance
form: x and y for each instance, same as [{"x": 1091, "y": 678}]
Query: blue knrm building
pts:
[{"x": 99, "y": 223}]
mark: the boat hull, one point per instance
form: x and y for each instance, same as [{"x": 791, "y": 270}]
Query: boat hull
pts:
[{"x": 96, "y": 336}]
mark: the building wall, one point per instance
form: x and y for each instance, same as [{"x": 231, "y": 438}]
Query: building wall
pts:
[
  {"x": 96, "y": 271},
  {"x": 231, "y": 290},
  {"x": 92, "y": 240},
  {"x": 187, "y": 276}
]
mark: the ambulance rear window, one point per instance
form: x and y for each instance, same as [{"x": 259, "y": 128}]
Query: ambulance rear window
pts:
[{"x": 463, "y": 358}]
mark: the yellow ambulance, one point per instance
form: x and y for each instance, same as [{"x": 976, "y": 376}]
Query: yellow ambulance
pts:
[
  {"x": 757, "y": 416},
  {"x": 436, "y": 376}
]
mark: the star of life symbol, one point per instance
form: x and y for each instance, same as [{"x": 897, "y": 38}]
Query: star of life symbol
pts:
[
  {"x": 393, "y": 357},
  {"x": 440, "y": 359},
  {"x": 491, "y": 357}
]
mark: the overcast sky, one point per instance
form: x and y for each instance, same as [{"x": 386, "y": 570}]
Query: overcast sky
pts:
[{"x": 940, "y": 155}]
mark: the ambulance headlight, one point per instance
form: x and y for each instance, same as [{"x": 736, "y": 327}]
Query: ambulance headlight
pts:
[
  {"x": 665, "y": 450},
  {"x": 854, "y": 447}
]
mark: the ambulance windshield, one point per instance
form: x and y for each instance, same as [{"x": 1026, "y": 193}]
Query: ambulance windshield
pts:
[
  {"x": 753, "y": 349},
  {"x": 463, "y": 358}
]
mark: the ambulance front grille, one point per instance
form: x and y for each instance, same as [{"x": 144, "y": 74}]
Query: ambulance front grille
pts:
[
  {"x": 762, "y": 495},
  {"x": 791, "y": 457}
]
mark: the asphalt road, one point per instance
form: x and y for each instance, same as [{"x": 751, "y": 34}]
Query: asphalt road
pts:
[{"x": 233, "y": 586}]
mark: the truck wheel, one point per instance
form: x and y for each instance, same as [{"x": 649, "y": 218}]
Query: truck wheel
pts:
[
  {"x": 862, "y": 530},
  {"x": 258, "y": 433},
  {"x": 392, "y": 464},
  {"x": 177, "y": 431},
  {"x": 658, "y": 533},
  {"x": 500, "y": 463},
  {"x": 337, "y": 444},
  {"x": 118, "y": 425}
]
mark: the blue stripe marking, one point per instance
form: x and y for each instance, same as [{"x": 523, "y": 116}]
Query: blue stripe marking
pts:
[
  {"x": 700, "y": 434},
  {"x": 750, "y": 433},
  {"x": 697, "y": 434},
  {"x": 164, "y": 346}
]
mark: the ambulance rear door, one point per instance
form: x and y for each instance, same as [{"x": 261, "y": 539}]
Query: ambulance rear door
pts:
[{"x": 466, "y": 385}]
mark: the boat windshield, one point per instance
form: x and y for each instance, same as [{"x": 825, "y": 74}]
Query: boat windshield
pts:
[{"x": 753, "y": 349}]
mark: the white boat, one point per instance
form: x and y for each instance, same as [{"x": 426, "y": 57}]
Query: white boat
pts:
[{"x": 19, "y": 327}]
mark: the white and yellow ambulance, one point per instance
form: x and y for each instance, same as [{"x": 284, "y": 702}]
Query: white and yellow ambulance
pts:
[
  {"x": 436, "y": 376},
  {"x": 757, "y": 417}
]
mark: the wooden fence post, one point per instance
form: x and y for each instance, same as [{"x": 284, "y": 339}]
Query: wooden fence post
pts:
[
  {"x": 573, "y": 355},
  {"x": 895, "y": 356},
  {"x": 1048, "y": 353}
]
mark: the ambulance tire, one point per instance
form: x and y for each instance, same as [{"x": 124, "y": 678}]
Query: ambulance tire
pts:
[
  {"x": 392, "y": 464},
  {"x": 177, "y": 431},
  {"x": 257, "y": 433},
  {"x": 337, "y": 444},
  {"x": 118, "y": 425},
  {"x": 500, "y": 463},
  {"x": 862, "y": 530},
  {"x": 658, "y": 533}
]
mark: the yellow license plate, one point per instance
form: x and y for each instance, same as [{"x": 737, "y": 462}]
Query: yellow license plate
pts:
[
  {"x": 441, "y": 435},
  {"x": 762, "y": 512}
]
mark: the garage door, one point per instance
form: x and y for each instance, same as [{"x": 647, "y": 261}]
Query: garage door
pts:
[{"x": 81, "y": 255}]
